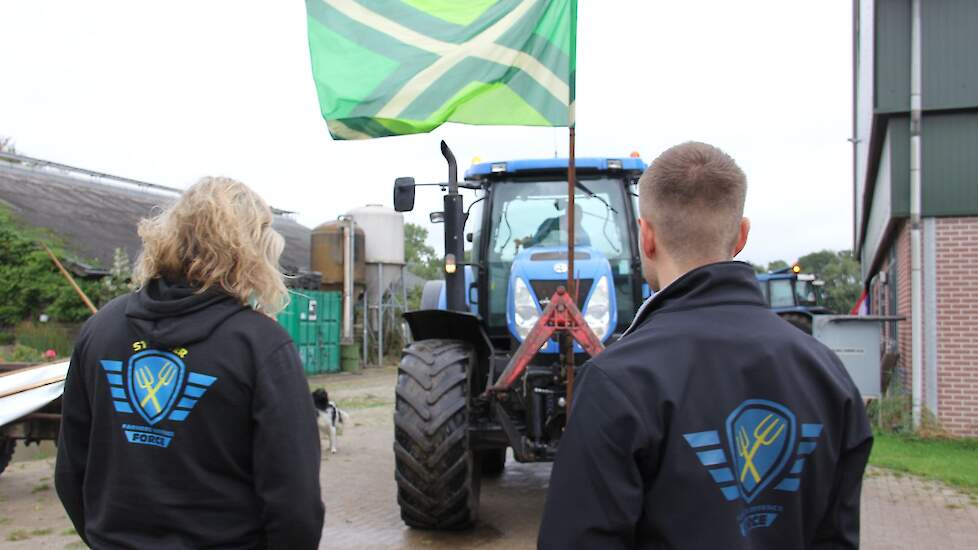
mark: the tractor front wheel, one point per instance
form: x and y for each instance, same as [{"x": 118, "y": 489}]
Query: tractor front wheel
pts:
[{"x": 436, "y": 471}]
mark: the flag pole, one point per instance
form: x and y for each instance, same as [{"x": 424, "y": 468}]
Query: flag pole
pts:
[
  {"x": 571, "y": 273},
  {"x": 571, "y": 221},
  {"x": 571, "y": 186}
]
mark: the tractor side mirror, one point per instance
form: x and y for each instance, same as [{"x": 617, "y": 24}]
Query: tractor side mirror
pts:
[
  {"x": 404, "y": 194},
  {"x": 436, "y": 217},
  {"x": 469, "y": 237}
]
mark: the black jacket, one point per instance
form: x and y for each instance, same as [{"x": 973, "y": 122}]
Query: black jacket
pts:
[
  {"x": 188, "y": 424},
  {"x": 711, "y": 424}
]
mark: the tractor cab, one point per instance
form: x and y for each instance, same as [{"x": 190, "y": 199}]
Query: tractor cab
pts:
[
  {"x": 520, "y": 244},
  {"x": 794, "y": 295}
]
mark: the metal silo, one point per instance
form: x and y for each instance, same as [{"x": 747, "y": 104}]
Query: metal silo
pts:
[{"x": 385, "y": 295}]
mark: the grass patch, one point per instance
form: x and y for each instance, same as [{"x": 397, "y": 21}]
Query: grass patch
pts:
[
  {"x": 40, "y": 488},
  {"x": 367, "y": 401},
  {"x": 951, "y": 461},
  {"x": 77, "y": 545},
  {"x": 19, "y": 534},
  {"x": 42, "y": 453},
  {"x": 69, "y": 532},
  {"x": 41, "y": 532}
]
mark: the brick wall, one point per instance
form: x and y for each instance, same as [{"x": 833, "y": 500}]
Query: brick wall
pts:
[
  {"x": 902, "y": 246},
  {"x": 957, "y": 318},
  {"x": 957, "y": 324}
]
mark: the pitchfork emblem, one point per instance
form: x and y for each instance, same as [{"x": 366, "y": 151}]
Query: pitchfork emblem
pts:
[
  {"x": 762, "y": 436},
  {"x": 146, "y": 381},
  {"x": 156, "y": 379}
]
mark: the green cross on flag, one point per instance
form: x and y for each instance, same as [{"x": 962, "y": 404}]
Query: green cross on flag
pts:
[{"x": 395, "y": 67}]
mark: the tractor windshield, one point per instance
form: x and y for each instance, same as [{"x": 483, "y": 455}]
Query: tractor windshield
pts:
[
  {"x": 527, "y": 214},
  {"x": 535, "y": 214}
]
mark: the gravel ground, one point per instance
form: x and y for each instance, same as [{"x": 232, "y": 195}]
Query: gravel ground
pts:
[{"x": 898, "y": 511}]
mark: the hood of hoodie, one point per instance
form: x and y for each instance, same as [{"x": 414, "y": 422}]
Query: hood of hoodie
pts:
[{"x": 168, "y": 314}]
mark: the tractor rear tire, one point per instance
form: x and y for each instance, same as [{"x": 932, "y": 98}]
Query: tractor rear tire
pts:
[
  {"x": 7, "y": 446},
  {"x": 437, "y": 473},
  {"x": 801, "y": 322},
  {"x": 493, "y": 462}
]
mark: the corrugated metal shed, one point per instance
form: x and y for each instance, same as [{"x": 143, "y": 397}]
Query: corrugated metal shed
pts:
[
  {"x": 950, "y": 116},
  {"x": 95, "y": 218},
  {"x": 892, "y": 56},
  {"x": 950, "y": 176},
  {"x": 950, "y": 42}
]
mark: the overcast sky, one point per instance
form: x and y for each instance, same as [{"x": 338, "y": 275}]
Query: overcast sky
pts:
[{"x": 169, "y": 91}]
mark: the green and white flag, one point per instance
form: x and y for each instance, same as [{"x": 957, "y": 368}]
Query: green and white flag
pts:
[{"x": 394, "y": 67}]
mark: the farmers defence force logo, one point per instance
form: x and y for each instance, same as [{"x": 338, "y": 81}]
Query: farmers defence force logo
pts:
[
  {"x": 156, "y": 385},
  {"x": 764, "y": 442}
]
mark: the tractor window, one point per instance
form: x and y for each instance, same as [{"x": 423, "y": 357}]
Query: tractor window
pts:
[
  {"x": 781, "y": 293},
  {"x": 534, "y": 214},
  {"x": 806, "y": 293},
  {"x": 531, "y": 214},
  {"x": 473, "y": 227}
]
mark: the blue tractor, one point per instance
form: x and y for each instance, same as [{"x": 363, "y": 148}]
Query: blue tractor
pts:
[
  {"x": 451, "y": 424},
  {"x": 794, "y": 295}
]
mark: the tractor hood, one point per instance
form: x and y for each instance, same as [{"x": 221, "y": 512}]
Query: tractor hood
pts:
[{"x": 538, "y": 271}]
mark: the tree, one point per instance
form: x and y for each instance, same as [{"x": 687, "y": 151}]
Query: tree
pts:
[
  {"x": 817, "y": 262},
  {"x": 777, "y": 265},
  {"x": 772, "y": 266},
  {"x": 843, "y": 285},
  {"x": 420, "y": 256}
]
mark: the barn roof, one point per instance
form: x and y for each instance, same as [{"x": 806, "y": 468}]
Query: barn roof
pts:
[{"x": 93, "y": 217}]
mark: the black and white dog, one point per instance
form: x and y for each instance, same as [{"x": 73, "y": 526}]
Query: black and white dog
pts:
[{"x": 328, "y": 415}]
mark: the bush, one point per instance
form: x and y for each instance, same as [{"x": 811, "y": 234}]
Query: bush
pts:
[
  {"x": 30, "y": 284},
  {"x": 7, "y": 338},
  {"x": 45, "y": 336},
  {"x": 893, "y": 415},
  {"x": 24, "y": 354}
]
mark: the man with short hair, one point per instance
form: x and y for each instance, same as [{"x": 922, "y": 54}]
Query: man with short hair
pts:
[
  {"x": 712, "y": 423},
  {"x": 553, "y": 231}
]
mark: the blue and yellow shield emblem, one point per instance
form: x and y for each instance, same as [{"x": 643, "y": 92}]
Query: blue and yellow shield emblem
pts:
[
  {"x": 762, "y": 436},
  {"x": 155, "y": 381}
]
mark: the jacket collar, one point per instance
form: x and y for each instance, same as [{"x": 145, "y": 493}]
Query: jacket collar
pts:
[{"x": 712, "y": 284}]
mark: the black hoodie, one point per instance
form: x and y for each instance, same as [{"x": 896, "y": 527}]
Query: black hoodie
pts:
[
  {"x": 187, "y": 423},
  {"x": 712, "y": 423}
]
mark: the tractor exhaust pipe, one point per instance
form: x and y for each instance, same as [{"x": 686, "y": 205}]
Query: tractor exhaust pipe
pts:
[{"x": 454, "y": 226}]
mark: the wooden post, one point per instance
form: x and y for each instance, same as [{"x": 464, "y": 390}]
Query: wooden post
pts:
[{"x": 71, "y": 280}]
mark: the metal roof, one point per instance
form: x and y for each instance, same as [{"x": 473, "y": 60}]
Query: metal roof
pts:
[
  {"x": 583, "y": 164},
  {"x": 93, "y": 218}
]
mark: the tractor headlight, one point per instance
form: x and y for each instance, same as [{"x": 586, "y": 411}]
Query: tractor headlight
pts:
[
  {"x": 525, "y": 309},
  {"x": 598, "y": 314}
]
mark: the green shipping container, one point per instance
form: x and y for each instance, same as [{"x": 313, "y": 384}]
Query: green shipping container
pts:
[{"x": 312, "y": 319}]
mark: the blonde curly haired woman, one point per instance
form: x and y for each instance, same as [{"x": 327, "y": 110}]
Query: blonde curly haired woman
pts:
[{"x": 187, "y": 420}]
